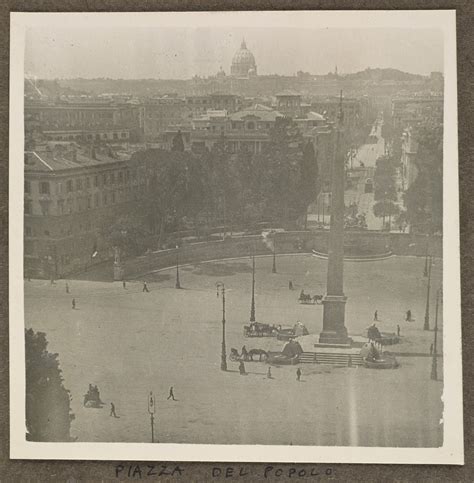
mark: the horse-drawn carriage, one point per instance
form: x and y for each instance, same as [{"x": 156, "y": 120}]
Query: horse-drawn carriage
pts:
[
  {"x": 291, "y": 332},
  {"x": 257, "y": 329},
  {"x": 92, "y": 398},
  {"x": 248, "y": 356},
  {"x": 306, "y": 298}
]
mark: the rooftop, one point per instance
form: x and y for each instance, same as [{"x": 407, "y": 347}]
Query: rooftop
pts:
[{"x": 49, "y": 160}]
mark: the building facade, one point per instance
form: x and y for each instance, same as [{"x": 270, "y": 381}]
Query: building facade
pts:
[{"x": 70, "y": 198}]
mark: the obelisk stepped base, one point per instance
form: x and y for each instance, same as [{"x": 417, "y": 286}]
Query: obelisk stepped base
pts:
[{"x": 334, "y": 330}]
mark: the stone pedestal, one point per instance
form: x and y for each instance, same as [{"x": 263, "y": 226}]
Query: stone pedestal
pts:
[
  {"x": 118, "y": 271},
  {"x": 334, "y": 330}
]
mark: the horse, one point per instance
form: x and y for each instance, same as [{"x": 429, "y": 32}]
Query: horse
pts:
[
  {"x": 305, "y": 298},
  {"x": 259, "y": 352},
  {"x": 318, "y": 299}
]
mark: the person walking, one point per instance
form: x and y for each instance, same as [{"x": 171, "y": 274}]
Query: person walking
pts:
[
  {"x": 73, "y": 304},
  {"x": 298, "y": 374},
  {"x": 242, "y": 368},
  {"x": 171, "y": 394},
  {"x": 376, "y": 316},
  {"x": 112, "y": 410},
  {"x": 67, "y": 287},
  {"x": 398, "y": 330},
  {"x": 408, "y": 317},
  {"x": 290, "y": 285},
  {"x": 145, "y": 287},
  {"x": 124, "y": 284},
  {"x": 269, "y": 373}
]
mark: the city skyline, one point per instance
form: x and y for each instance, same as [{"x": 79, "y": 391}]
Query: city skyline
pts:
[{"x": 181, "y": 53}]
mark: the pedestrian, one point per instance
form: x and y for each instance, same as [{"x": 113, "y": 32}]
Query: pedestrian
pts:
[
  {"x": 171, "y": 395},
  {"x": 245, "y": 354},
  {"x": 145, "y": 287},
  {"x": 290, "y": 285},
  {"x": 73, "y": 304},
  {"x": 431, "y": 349},
  {"x": 376, "y": 315},
  {"x": 398, "y": 330},
  {"x": 408, "y": 317},
  {"x": 242, "y": 368},
  {"x": 112, "y": 410},
  {"x": 298, "y": 374},
  {"x": 67, "y": 287},
  {"x": 124, "y": 284},
  {"x": 269, "y": 373}
]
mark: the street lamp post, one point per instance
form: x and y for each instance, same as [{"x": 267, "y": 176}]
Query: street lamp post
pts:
[
  {"x": 252, "y": 304},
  {"x": 426, "y": 326},
  {"x": 178, "y": 285},
  {"x": 151, "y": 411},
  {"x": 434, "y": 362},
  {"x": 221, "y": 288},
  {"x": 274, "y": 268},
  {"x": 425, "y": 271}
]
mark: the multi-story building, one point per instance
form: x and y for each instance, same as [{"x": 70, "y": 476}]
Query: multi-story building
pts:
[
  {"x": 247, "y": 129},
  {"x": 355, "y": 111},
  {"x": 409, "y": 151},
  {"x": 407, "y": 111},
  {"x": 86, "y": 120},
  {"x": 161, "y": 113},
  {"x": 71, "y": 197}
]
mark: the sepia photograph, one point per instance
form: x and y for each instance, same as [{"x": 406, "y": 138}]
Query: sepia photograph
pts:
[{"x": 236, "y": 229}]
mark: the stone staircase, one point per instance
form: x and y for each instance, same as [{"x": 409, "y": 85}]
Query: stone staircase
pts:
[{"x": 331, "y": 359}]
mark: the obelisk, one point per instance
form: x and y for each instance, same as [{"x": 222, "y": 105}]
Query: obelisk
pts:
[{"x": 334, "y": 302}]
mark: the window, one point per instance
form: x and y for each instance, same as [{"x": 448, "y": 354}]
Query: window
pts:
[
  {"x": 89, "y": 202},
  {"x": 61, "y": 207},
  {"x": 105, "y": 199},
  {"x": 69, "y": 187},
  {"x": 120, "y": 177},
  {"x": 104, "y": 179},
  {"x": 88, "y": 182},
  {"x": 115, "y": 135},
  {"x": 78, "y": 184},
  {"x": 44, "y": 207},
  {"x": 96, "y": 181},
  {"x": 112, "y": 178},
  {"x": 113, "y": 197},
  {"x": 251, "y": 126},
  {"x": 44, "y": 188},
  {"x": 27, "y": 187},
  {"x": 124, "y": 134},
  {"x": 96, "y": 200},
  {"x": 28, "y": 208}
]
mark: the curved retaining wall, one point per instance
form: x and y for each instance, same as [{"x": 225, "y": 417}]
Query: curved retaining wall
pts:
[{"x": 355, "y": 243}]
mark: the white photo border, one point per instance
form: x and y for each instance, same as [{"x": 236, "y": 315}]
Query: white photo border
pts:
[{"x": 452, "y": 450}]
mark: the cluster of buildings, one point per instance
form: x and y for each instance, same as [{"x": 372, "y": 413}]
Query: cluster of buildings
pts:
[
  {"x": 407, "y": 112},
  {"x": 80, "y": 175}
]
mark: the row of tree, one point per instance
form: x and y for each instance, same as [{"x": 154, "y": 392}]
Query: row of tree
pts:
[
  {"x": 385, "y": 190},
  {"x": 219, "y": 187}
]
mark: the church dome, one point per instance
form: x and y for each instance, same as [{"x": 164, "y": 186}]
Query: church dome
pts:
[{"x": 243, "y": 62}]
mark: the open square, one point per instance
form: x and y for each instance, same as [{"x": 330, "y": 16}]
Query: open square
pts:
[{"x": 129, "y": 343}]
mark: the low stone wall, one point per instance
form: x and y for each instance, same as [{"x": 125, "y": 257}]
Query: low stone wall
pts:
[{"x": 356, "y": 243}]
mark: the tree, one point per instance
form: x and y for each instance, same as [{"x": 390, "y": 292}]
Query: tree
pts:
[
  {"x": 385, "y": 208},
  {"x": 48, "y": 410},
  {"x": 424, "y": 197},
  {"x": 128, "y": 234}
]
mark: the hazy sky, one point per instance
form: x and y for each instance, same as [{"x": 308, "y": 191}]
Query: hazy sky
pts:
[{"x": 180, "y": 53}]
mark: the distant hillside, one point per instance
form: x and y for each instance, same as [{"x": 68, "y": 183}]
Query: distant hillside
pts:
[{"x": 384, "y": 75}]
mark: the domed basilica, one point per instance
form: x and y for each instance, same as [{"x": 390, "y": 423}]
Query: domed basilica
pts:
[{"x": 243, "y": 63}]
